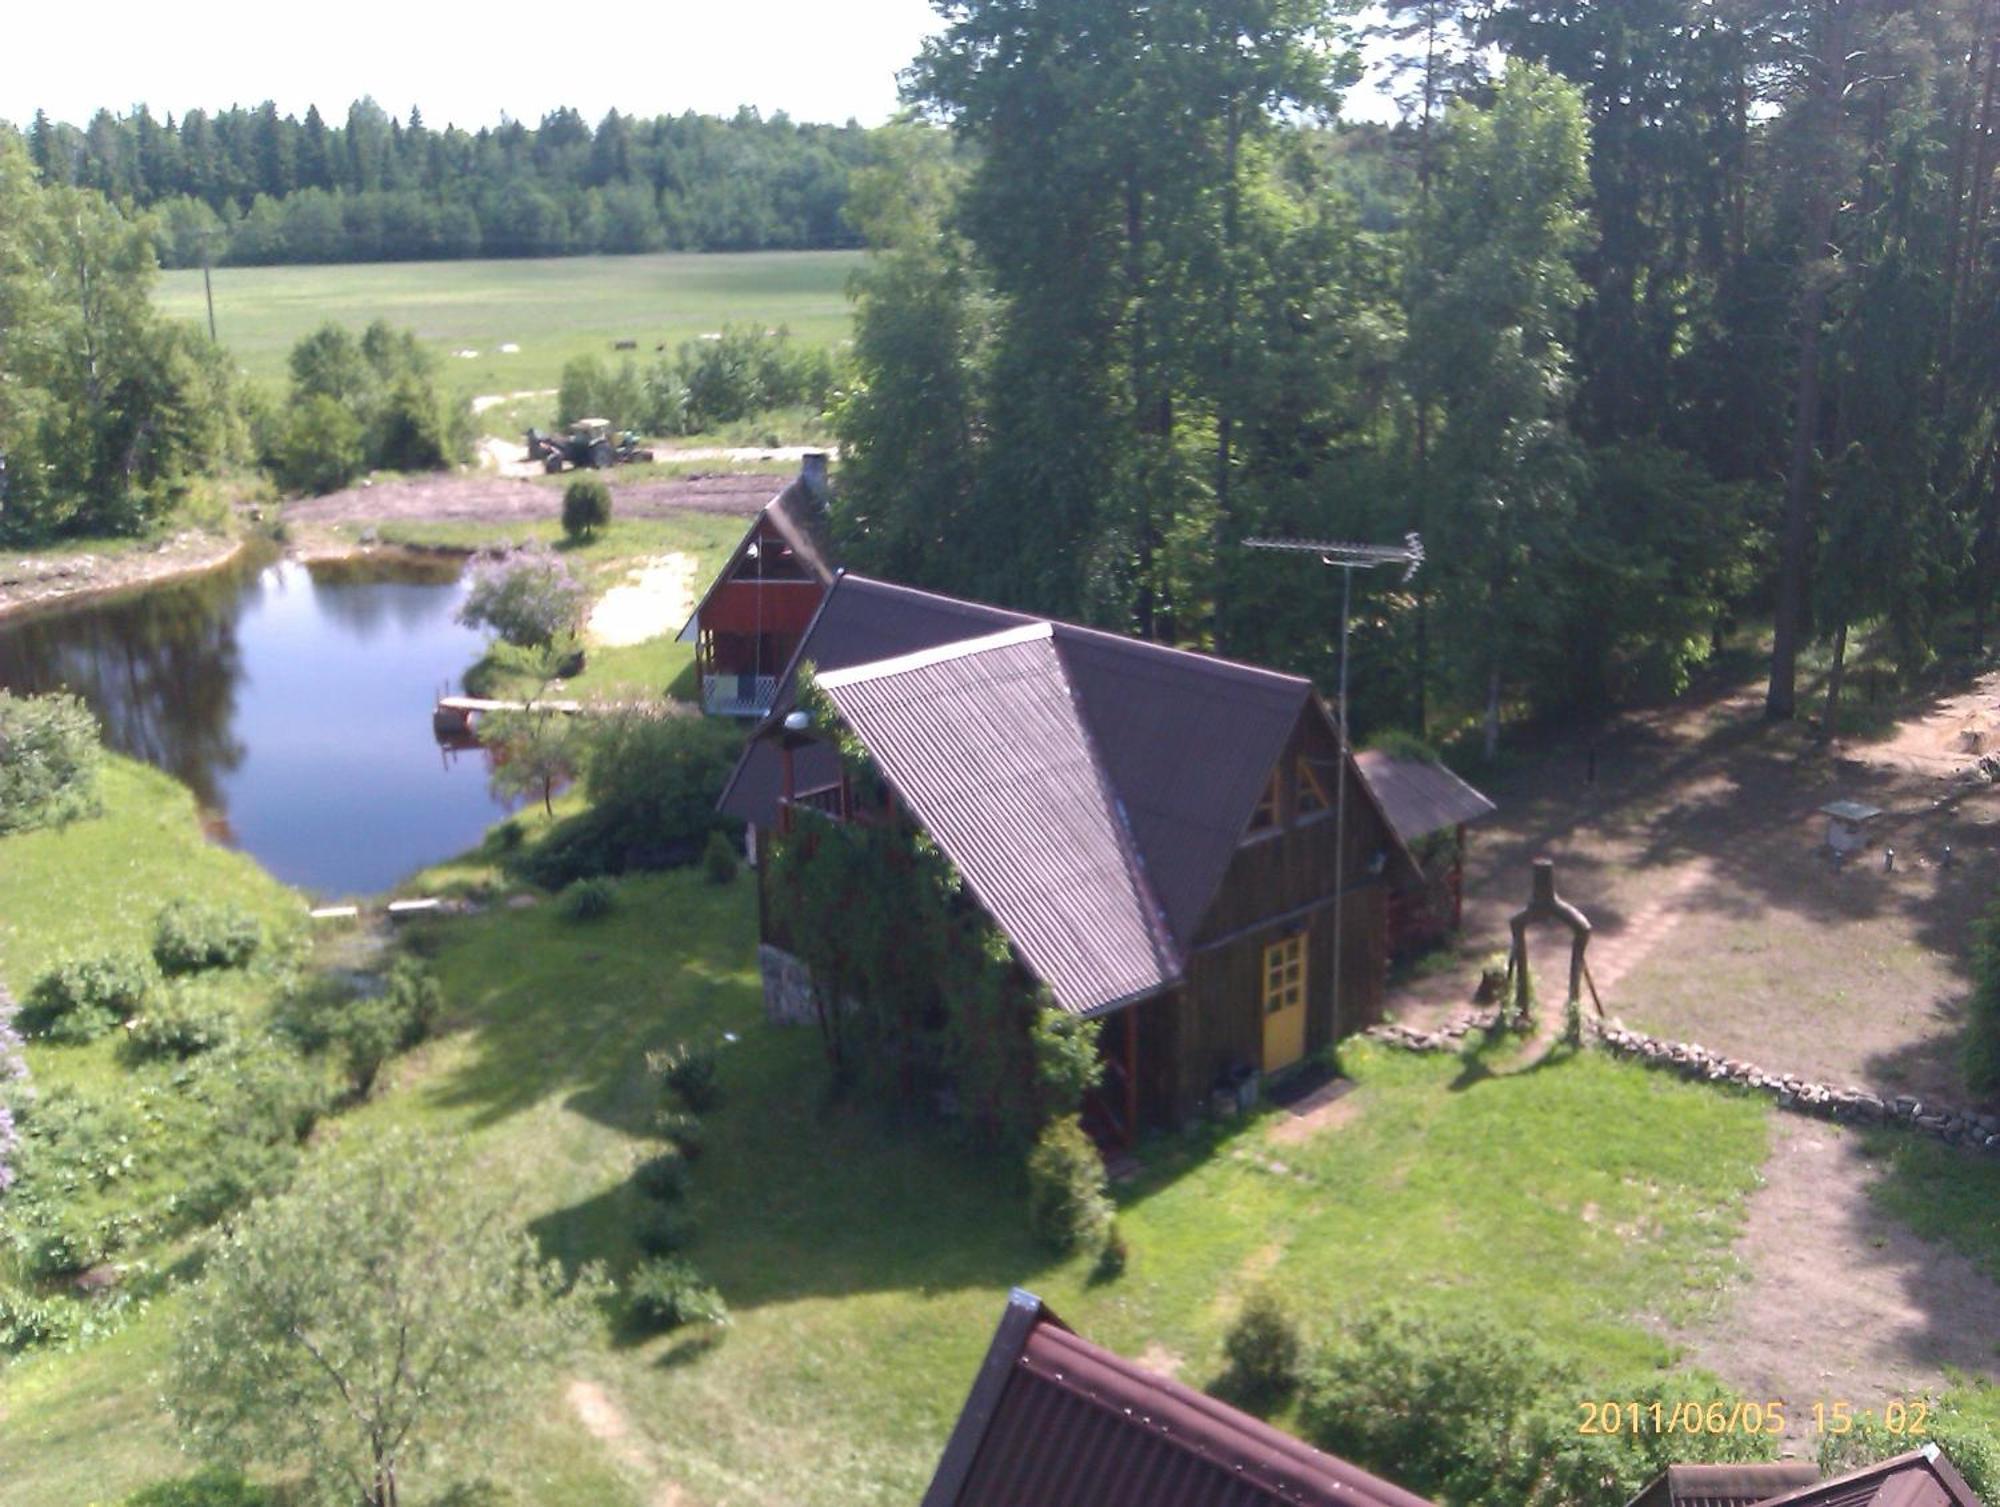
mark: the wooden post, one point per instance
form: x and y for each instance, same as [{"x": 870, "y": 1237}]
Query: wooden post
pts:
[
  {"x": 790, "y": 787},
  {"x": 1131, "y": 1076},
  {"x": 1458, "y": 881}
]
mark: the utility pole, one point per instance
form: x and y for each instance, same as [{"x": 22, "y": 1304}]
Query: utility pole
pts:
[
  {"x": 208, "y": 288},
  {"x": 1347, "y": 558}
]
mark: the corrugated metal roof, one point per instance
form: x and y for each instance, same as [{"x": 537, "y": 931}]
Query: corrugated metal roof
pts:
[
  {"x": 1922, "y": 1478},
  {"x": 1420, "y": 797},
  {"x": 1739, "y": 1485},
  {"x": 1055, "y": 1421},
  {"x": 983, "y": 742}
]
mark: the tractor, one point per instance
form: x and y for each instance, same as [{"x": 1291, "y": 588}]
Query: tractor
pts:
[{"x": 589, "y": 443}]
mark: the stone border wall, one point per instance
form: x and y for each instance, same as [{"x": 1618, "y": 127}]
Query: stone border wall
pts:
[{"x": 1825, "y": 1101}]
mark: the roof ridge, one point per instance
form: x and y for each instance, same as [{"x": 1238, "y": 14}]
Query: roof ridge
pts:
[
  {"x": 1198, "y": 656},
  {"x": 923, "y": 659}
]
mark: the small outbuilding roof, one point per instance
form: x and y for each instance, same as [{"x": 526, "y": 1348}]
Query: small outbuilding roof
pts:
[
  {"x": 1737, "y": 1485},
  {"x": 1922, "y": 1478},
  {"x": 1420, "y": 796},
  {"x": 1056, "y": 1421}
]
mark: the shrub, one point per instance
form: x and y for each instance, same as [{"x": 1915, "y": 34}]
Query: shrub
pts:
[
  {"x": 27, "y": 1321},
  {"x": 718, "y": 859},
  {"x": 690, "y": 1072},
  {"x": 81, "y": 998},
  {"x": 587, "y": 900},
  {"x": 49, "y": 756},
  {"x": 682, "y": 1131},
  {"x": 321, "y": 448},
  {"x": 1450, "y": 1403},
  {"x": 663, "y": 1177},
  {"x": 654, "y": 781},
  {"x": 213, "y": 1486},
  {"x": 662, "y": 1229},
  {"x": 182, "y": 1021},
  {"x": 1982, "y": 1028},
  {"x": 192, "y": 935},
  {"x": 586, "y": 506},
  {"x": 667, "y": 1292},
  {"x": 528, "y": 600},
  {"x": 509, "y": 835},
  {"x": 1112, "y": 1260},
  {"x": 1262, "y": 1348},
  {"x": 1067, "y": 1204},
  {"x": 416, "y": 998}
]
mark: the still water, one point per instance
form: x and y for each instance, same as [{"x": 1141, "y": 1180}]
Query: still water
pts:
[{"x": 294, "y": 700}]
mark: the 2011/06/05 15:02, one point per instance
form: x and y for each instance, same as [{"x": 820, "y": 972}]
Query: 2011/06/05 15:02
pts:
[{"x": 1743, "y": 1417}]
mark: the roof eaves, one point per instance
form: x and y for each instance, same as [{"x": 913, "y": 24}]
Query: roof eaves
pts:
[
  {"x": 1930, "y": 1457},
  {"x": 1024, "y": 1311}
]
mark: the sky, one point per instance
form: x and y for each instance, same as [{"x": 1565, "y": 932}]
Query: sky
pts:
[{"x": 819, "y": 60}]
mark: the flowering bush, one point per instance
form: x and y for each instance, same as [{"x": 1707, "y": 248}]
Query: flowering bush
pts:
[{"x": 529, "y": 600}]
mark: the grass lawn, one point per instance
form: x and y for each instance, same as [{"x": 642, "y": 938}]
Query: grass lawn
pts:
[
  {"x": 866, "y": 1261},
  {"x": 97, "y": 885},
  {"x": 553, "y": 308},
  {"x": 1942, "y": 1194}
]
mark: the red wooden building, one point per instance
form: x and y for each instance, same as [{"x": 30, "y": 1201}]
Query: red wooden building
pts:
[{"x": 749, "y": 624}]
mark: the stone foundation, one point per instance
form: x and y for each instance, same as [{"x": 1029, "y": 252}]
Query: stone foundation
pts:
[{"x": 788, "y": 988}]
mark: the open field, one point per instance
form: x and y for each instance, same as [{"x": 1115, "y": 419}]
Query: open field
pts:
[{"x": 553, "y": 308}]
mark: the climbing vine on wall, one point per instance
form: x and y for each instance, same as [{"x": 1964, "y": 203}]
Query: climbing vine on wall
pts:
[{"x": 916, "y": 989}]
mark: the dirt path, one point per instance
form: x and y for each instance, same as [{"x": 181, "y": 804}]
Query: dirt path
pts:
[
  {"x": 1843, "y": 1303},
  {"x": 654, "y": 600},
  {"x": 486, "y": 498},
  {"x": 606, "y": 1422}
]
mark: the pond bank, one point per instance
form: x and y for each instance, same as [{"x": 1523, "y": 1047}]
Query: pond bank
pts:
[{"x": 31, "y": 583}]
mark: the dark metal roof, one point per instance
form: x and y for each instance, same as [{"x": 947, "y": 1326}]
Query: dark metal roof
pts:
[
  {"x": 1740, "y": 1485},
  {"x": 1418, "y": 796},
  {"x": 798, "y": 516},
  {"x": 1188, "y": 741},
  {"x": 1055, "y": 1421},
  {"x": 984, "y": 743},
  {"x": 1922, "y": 1478}
]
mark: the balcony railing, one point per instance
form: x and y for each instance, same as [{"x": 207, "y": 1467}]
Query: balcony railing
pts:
[{"x": 738, "y": 695}]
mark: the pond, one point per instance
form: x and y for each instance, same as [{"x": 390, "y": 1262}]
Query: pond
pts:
[{"x": 295, "y": 700}]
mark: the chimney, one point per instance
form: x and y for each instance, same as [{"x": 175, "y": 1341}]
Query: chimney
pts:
[{"x": 812, "y": 471}]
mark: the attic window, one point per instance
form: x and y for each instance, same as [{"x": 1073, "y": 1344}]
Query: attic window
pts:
[
  {"x": 1312, "y": 794},
  {"x": 1265, "y": 817}
]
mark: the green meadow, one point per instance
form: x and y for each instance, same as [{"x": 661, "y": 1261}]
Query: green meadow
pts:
[{"x": 552, "y": 308}]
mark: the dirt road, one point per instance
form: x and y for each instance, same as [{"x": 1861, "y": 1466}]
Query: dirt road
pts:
[{"x": 486, "y": 498}]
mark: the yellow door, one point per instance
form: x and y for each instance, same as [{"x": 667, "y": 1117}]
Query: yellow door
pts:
[{"x": 1284, "y": 1002}]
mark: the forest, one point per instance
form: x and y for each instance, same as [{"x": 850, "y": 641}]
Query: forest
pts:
[
  {"x": 252, "y": 187},
  {"x": 1683, "y": 323}
]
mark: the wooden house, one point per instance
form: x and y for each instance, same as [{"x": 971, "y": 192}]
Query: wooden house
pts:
[
  {"x": 1153, "y": 830},
  {"x": 1056, "y": 1421},
  {"x": 747, "y": 626}
]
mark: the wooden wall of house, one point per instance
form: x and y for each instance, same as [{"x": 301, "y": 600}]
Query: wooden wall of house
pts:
[{"x": 1277, "y": 885}]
